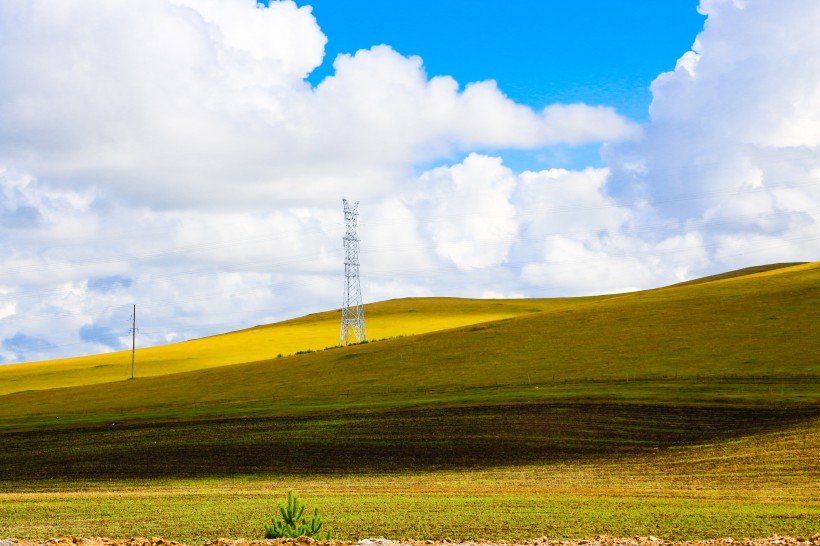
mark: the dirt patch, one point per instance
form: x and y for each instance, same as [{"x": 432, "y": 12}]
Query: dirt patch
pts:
[{"x": 544, "y": 541}]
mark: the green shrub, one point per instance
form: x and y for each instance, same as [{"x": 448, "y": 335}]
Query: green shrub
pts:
[{"x": 293, "y": 523}]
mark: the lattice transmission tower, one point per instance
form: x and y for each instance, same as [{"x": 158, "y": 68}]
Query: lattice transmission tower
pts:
[{"x": 352, "y": 308}]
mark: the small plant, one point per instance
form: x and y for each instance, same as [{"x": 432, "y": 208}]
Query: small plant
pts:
[{"x": 293, "y": 523}]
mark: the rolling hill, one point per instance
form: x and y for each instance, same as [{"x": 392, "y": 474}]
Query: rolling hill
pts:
[
  {"x": 393, "y": 318},
  {"x": 732, "y": 341},
  {"x": 626, "y": 407}
]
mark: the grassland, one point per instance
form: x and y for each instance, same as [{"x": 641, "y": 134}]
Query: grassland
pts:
[
  {"x": 392, "y": 318},
  {"x": 756, "y": 484},
  {"x": 691, "y": 411}
]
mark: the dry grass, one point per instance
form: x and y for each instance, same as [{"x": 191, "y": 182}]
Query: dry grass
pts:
[
  {"x": 743, "y": 341},
  {"x": 683, "y": 412},
  {"x": 385, "y": 319}
]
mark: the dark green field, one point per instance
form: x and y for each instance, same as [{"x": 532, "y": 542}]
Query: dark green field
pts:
[
  {"x": 691, "y": 411},
  {"x": 391, "y": 441}
]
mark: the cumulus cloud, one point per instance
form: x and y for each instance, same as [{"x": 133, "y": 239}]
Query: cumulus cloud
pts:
[
  {"x": 467, "y": 210},
  {"x": 732, "y": 148},
  {"x": 171, "y": 153},
  {"x": 180, "y": 103}
]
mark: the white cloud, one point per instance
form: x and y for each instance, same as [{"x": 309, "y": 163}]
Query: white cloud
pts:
[
  {"x": 732, "y": 149},
  {"x": 186, "y": 103},
  {"x": 467, "y": 213},
  {"x": 171, "y": 153},
  {"x": 575, "y": 239},
  {"x": 283, "y": 32}
]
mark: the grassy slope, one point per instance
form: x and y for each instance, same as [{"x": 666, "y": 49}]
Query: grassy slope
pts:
[
  {"x": 317, "y": 331},
  {"x": 740, "y": 273},
  {"x": 607, "y": 416},
  {"x": 737, "y": 340}
]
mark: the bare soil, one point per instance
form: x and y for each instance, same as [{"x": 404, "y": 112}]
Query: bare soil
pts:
[{"x": 544, "y": 541}]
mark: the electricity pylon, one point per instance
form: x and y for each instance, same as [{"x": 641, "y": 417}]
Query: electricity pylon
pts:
[{"x": 352, "y": 308}]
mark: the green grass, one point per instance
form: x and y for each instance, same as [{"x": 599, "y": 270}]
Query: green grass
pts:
[
  {"x": 744, "y": 341},
  {"x": 393, "y": 318},
  {"x": 421, "y": 439},
  {"x": 691, "y": 411},
  {"x": 740, "y": 273},
  {"x": 758, "y": 483},
  {"x": 199, "y": 518}
]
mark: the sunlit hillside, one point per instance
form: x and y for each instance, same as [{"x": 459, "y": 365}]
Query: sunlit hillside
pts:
[
  {"x": 684, "y": 411},
  {"x": 392, "y": 318},
  {"x": 743, "y": 339}
]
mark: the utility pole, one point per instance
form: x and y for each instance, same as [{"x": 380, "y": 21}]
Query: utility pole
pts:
[
  {"x": 133, "y": 338},
  {"x": 352, "y": 308}
]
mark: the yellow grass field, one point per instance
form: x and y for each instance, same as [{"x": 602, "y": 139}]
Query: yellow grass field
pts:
[
  {"x": 683, "y": 412},
  {"x": 402, "y": 317}
]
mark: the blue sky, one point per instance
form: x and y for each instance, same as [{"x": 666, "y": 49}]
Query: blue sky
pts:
[
  {"x": 197, "y": 175},
  {"x": 539, "y": 52}
]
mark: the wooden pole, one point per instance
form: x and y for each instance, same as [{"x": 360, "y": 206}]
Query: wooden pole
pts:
[{"x": 133, "y": 338}]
